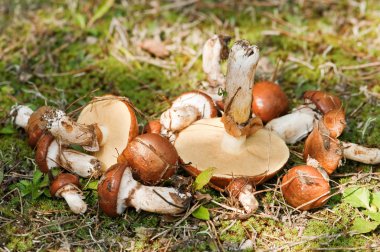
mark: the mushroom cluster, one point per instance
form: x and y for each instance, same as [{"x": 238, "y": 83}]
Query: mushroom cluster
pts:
[{"x": 241, "y": 132}]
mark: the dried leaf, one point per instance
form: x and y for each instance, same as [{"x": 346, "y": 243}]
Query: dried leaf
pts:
[{"x": 155, "y": 47}]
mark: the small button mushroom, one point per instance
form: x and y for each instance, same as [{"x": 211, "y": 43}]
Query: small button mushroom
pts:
[
  {"x": 305, "y": 187},
  {"x": 335, "y": 122},
  {"x": 152, "y": 158},
  {"x": 50, "y": 154},
  {"x": 269, "y": 101},
  {"x": 118, "y": 190},
  {"x": 242, "y": 189},
  {"x": 66, "y": 186},
  {"x": 323, "y": 101}
]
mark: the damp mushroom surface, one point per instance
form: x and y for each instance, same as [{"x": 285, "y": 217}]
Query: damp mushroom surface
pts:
[{"x": 236, "y": 145}]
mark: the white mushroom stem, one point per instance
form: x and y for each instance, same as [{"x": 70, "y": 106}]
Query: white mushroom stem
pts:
[
  {"x": 294, "y": 126},
  {"x": 212, "y": 55},
  {"x": 164, "y": 200},
  {"x": 73, "y": 197},
  {"x": 241, "y": 67},
  {"x": 20, "y": 115},
  {"x": 74, "y": 161},
  {"x": 360, "y": 153},
  {"x": 247, "y": 199},
  {"x": 176, "y": 119}
]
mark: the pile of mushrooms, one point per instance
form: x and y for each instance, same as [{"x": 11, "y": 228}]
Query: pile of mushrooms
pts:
[{"x": 242, "y": 135}]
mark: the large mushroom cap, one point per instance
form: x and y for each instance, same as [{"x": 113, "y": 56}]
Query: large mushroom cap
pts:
[
  {"x": 115, "y": 115},
  {"x": 304, "y": 187},
  {"x": 152, "y": 158},
  {"x": 200, "y": 144},
  {"x": 62, "y": 180},
  {"x": 42, "y": 151},
  {"x": 269, "y": 101},
  {"x": 199, "y": 100},
  {"x": 108, "y": 189}
]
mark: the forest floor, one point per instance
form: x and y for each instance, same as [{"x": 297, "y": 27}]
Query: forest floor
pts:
[{"x": 65, "y": 53}]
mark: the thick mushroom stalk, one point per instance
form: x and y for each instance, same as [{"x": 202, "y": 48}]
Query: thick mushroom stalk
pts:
[
  {"x": 66, "y": 186},
  {"x": 242, "y": 190},
  {"x": 20, "y": 115},
  {"x": 118, "y": 190},
  {"x": 360, "y": 153},
  {"x": 237, "y": 119},
  {"x": 50, "y": 154}
]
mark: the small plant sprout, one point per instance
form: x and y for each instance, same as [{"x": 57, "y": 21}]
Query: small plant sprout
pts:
[
  {"x": 236, "y": 145},
  {"x": 66, "y": 186},
  {"x": 49, "y": 153},
  {"x": 118, "y": 190}
]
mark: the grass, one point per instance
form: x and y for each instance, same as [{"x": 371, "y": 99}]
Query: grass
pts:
[{"x": 73, "y": 50}]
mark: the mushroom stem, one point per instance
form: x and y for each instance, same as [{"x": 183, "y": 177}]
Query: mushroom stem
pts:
[
  {"x": 79, "y": 163},
  {"x": 154, "y": 199},
  {"x": 294, "y": 126},
  {"x": 360, "y": 153},
  {"x": 20, "y": 115},
  {"x": 74, "y": 199}
]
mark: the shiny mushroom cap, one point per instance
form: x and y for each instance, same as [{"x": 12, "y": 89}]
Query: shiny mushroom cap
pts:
[
  {"x": 323, "y": 101},
  {"x": 305, "y": 187},
  {"x": 153, "y": 127},
  {"x": 269, "y": 101},
  {"x": 62, "y": 180},
  {"x": 36, "y": 125},
  {"x": 335, "y": 122},
  {"x": 152, "y": 158},
  {"x": 42, "y": 152},
  {"x": 201, "y": 101}
]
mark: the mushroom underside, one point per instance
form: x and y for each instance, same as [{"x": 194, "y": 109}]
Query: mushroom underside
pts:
[
  {"x": 118, "y": 120},
  {"x": 263, "y": 154}
]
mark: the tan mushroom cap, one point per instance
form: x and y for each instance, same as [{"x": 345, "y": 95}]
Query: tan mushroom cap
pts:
[
  {"x": 42, "y": 151},
  {"x": 323, "y": 101},
  {"x": 200, "y": 144},
  {"x": 335, "y": 122},
  {"x": 152, "y": 158},
  {"x": 303, "y": 184},
  {"x": 36, "y": 125},
  {"x": 321, "y": 147},
  {"x": 269, "y": 101},
  {"x": 62, "y": 180},
  {"x": 108, "y": 189},
  {"x": 118, "y": 118}
]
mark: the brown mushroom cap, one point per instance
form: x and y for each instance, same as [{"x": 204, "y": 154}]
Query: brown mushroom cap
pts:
[
  {"x": 108, "y": 189},
  {"x": 153, "y": 127},
  {"x": 36, "y": 125},
  {"x": 62, "y": 180},
  {"x": 117, "y": 116},
  {"x": 198, "y": 99},
  {"x": 236, "y": 186},
  {"x": 326, "y": 150},
  {"x": 303, "y": 184},
  {"x": 335, "y": 122},
  {"x": 42, "y": 150},
  {"x": 152, "y": 158},
  {"x": 263, "y": 155},
  {"x": 269, "y": 101},
  {"x": 323, "y": 101}
]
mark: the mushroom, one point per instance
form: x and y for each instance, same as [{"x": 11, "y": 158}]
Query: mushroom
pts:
[
  {"x": 305, "y": 187},
  {"x": 153, "y": 127},
  {"x": 242, "y": 190},
  {"x": 118, "y": 190},
  {"x": 50, "y": 154},
  {"x": 269, "y": 101},
  {"x": 152, "y": 158},
  {"x": 186, "y": 109},
  {"x": 234, "y": 144},
  {"x": 66, "y": 186}
]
